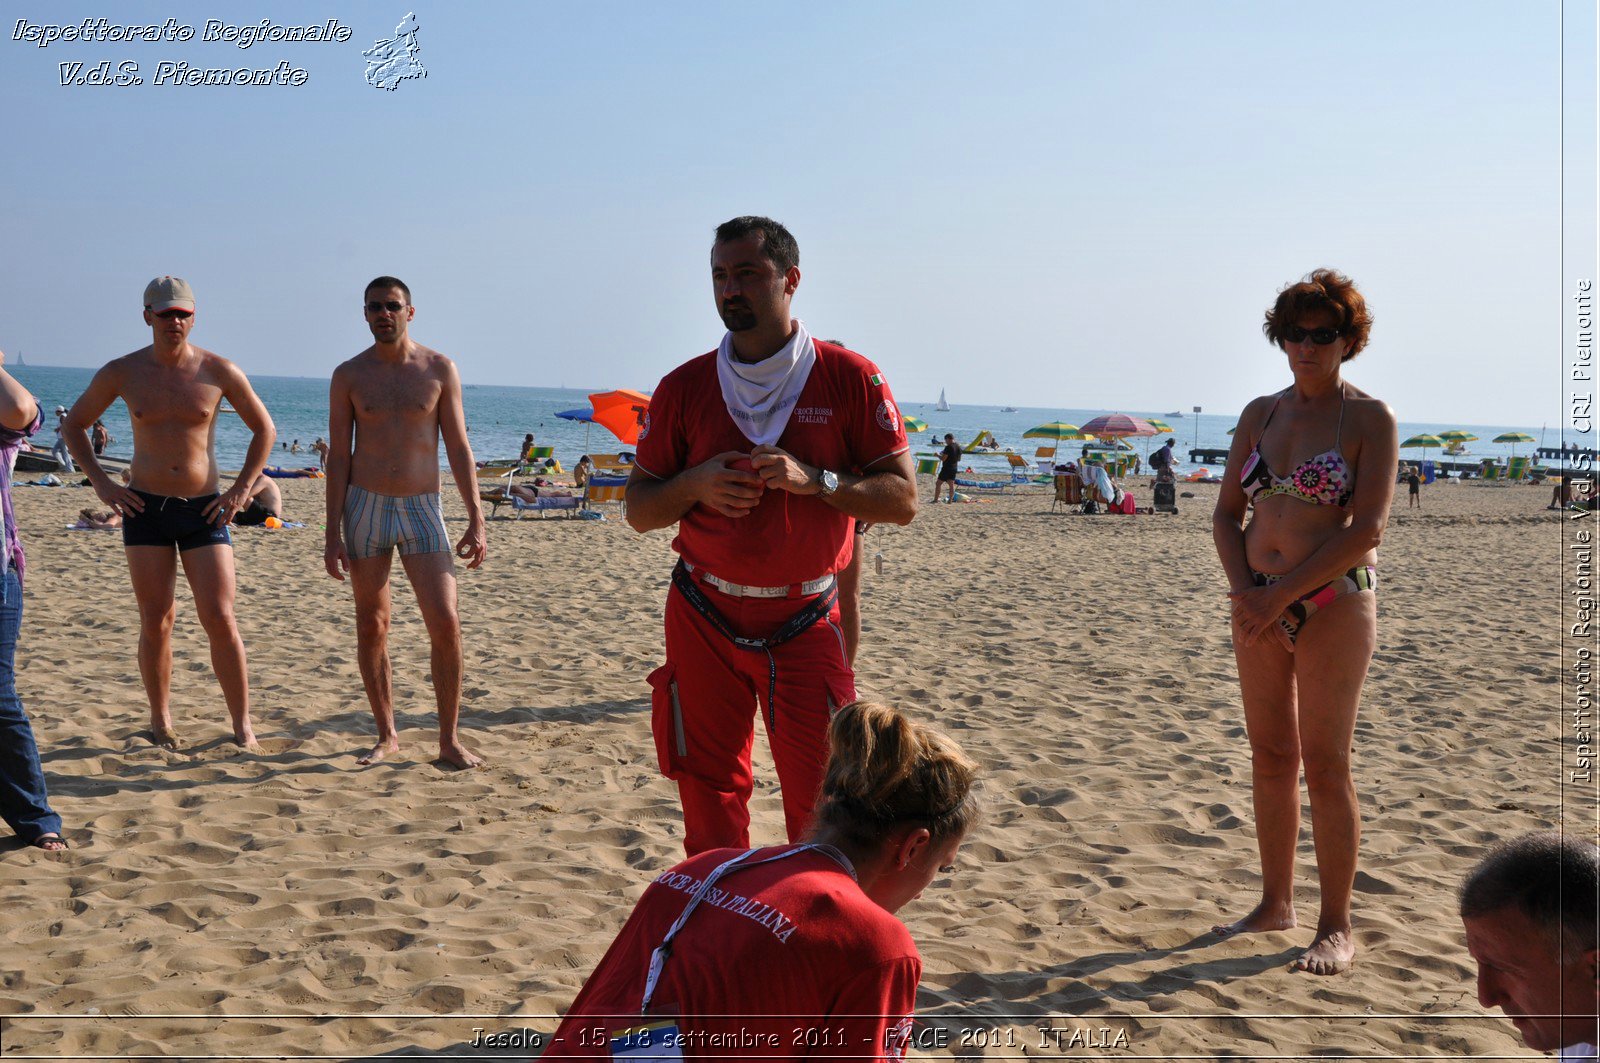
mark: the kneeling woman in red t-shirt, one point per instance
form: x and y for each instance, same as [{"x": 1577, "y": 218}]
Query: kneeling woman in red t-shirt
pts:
[{"x": 791, "y": 951}]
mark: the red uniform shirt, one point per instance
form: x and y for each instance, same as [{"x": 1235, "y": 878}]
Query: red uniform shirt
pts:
[
  {"x": 783, "y": 952},
  {"x": 844, "y": 420}
]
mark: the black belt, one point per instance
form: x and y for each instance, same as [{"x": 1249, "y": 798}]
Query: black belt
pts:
[{"x": 809, "y": 614}]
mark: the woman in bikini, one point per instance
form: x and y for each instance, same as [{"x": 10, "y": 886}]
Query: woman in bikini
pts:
[{"x": 1303, "y": 506}]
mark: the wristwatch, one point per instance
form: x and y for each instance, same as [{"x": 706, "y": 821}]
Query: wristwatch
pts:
[{"x": 829, "y": 481}]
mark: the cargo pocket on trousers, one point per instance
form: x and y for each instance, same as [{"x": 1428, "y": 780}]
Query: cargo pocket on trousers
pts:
[
  {"x": 666, "y": 720},
  {"x": 841, "y": 692}
]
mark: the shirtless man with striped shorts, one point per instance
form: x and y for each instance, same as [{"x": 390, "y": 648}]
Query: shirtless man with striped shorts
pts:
[{"x": 388, "y": 408}]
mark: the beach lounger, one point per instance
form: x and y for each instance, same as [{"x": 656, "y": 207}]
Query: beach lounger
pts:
[
  {"x": 496, "y": 497},
  {"x": 568, "y": 504},
  {"x": 1517, "y": 469},
  {"x": 1490, "y": 469},
  {"x": 1021, "y": 471}
]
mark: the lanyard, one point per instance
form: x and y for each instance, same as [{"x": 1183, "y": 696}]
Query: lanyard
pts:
[{"x": 663, "y": 951}]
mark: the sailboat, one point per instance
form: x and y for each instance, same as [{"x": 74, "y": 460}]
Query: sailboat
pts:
[{"x": 943, "y": 405}]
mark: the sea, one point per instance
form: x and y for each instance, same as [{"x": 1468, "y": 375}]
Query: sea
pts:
[{"x": 499, "y": 416}]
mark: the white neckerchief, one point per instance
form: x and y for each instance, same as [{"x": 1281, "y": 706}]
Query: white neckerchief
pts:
[{"x": 760, "y": 396}]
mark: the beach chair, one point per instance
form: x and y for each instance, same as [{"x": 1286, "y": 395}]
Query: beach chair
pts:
[
  {"x": 1517, "y": 469},
  {"x": 1021, "y": 471},
  {"x": 606, "y": 490},
  {"x": 1069, "y": 490},
  {"x": 927, "y": 466},
  {"x": 1489, "y": 469},
  {"x": 537, "y": 458},
  {"x": 568, "y": 504},
  {"x": 610, "y": 464}
]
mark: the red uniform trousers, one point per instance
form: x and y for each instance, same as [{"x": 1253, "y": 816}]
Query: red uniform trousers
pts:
[{"x": 703, "y": 704}]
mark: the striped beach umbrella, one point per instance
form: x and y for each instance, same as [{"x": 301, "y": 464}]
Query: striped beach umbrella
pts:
[
  {"x": 1424, "y": 441},
  {"x": 1055, "y": 431},
  {"x": 1513, "y": 438},
  {"x": 1115, "y": 425},
  {"x": 914, "y": 425}
]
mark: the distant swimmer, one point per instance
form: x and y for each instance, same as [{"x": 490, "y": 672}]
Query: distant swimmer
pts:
[
  {"x": 171, "y": 508},
  {"x": 389, "y": 406},
  {"x": 1316, "y": 465}
]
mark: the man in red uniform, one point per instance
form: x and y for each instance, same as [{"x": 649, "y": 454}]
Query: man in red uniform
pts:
[{"x": 763, "y": 452}]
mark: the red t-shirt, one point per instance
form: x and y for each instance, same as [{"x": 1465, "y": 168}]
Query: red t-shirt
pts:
[
  {"x": 801, "y": 959},
  {"x": 844, "y": 420}
]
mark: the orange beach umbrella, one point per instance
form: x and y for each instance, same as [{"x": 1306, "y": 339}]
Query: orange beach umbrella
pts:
[{"x": 621, "y": 412}]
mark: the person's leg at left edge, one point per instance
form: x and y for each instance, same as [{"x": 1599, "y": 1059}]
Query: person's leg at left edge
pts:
[{"x": 24, "y": 802}]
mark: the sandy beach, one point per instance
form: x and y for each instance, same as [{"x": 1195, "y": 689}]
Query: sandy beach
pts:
[{"x": 292, "y": 903}]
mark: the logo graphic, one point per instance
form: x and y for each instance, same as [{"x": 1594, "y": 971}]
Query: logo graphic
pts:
[
  {"x": 888, "y": 416},
  {"x": 644, "y": 425},
  {"x": 393, "y": 61},
  {"x": 877, "y": 380}
]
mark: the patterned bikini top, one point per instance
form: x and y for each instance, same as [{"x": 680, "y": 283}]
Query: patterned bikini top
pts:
[{"x": 1325, "y": 480}]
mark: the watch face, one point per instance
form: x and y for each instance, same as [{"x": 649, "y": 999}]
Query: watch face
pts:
[{"x": 830, "y": 482}]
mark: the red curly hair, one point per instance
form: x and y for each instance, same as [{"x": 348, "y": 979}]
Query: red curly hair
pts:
[{"x": 1322, "y": 291}]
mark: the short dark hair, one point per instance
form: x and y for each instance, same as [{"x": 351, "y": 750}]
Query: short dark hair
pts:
[
  {"x": 1170, "y": 442},
  {"x": 386, "y": 282},
  {"x": 1551, "y": 879},
  {"x": 1322, "y": 291},
  {"x": 777, "y": 243}
]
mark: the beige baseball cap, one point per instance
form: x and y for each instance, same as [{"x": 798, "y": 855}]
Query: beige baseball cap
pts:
[{"x": 165, "y": 293}]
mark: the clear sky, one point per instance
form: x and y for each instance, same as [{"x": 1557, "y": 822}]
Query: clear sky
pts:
[{"x": 1051, "y": 202}]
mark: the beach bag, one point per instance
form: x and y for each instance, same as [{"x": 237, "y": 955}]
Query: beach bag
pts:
[{"x": 1091, "y": 506}]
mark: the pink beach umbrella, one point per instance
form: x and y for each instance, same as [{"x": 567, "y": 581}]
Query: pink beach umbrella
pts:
[{"x": 1116, "y": 425}]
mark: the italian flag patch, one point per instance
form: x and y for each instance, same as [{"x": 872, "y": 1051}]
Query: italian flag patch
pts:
[{"x": 877, "y": 380}]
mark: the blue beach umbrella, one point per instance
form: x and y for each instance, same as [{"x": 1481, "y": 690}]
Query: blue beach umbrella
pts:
[{"x": 586, "y": 415}]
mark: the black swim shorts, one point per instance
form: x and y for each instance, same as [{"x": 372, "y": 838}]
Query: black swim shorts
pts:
[{"x": 168, "y": 521}]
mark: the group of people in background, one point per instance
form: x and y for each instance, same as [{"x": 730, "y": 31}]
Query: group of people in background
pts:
[{"x": 770, "y": 456}]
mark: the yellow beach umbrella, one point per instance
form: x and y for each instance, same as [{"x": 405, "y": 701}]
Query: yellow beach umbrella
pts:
[{"x": 1513, "y": 438}]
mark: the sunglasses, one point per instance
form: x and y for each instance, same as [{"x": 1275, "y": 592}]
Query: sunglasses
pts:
[
  {"x": 1320, "y": 336},
  {"x": 176, "y": 315},
  {"x": 375, "y": 307}
]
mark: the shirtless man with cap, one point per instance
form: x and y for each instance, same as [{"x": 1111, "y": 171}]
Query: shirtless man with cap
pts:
[
  {"x": 171, "y": 508},
  {"x": 388, "y": 408}
]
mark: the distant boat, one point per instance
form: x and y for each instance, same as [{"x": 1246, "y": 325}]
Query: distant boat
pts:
[
  {"x": 941, "y": 405},
  {"x": 1008, "y": 409},
  {"x": 19, "y": 359},
  {"x": 1174, "y": 413}
]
